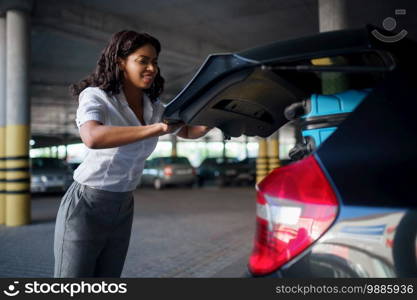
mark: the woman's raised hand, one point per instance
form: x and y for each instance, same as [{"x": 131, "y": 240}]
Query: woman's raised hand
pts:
[{"x": 171, "y": 128}]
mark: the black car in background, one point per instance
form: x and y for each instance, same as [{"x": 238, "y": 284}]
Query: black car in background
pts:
[
  {"x": 74, "y": 165},
  {"x": 347, "y": 208},
  {"x": 218, "y": 170},
  {"x": 246, "y": 171}
]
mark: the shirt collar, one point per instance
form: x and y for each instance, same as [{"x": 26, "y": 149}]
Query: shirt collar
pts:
[
  {"x": 122, "y": 98},
  {"x": 147, "y": 109}
]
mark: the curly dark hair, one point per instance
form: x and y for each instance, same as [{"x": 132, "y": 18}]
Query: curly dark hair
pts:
[{"x": 108, "y": 75}]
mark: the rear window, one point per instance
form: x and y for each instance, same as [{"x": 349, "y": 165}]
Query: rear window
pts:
[
  {"x": 175, "y": 160},
  {"x": 219, "y": 161}
]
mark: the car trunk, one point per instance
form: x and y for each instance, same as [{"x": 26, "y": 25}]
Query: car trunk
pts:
[{"x": 247, "y": 92}]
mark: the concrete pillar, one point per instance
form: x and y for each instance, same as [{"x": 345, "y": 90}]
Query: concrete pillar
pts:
[
  {"x": 66, "y": 152},
  {"x": 18, "y": 118},
  {"x": 65, "y": 141},
  {"x": 246, "y": 146},
  {"x": 262, "y": 160},
  {"x": 273, "y": 151},
  {"x": 206, "y": 141},
  {"x": 332, "y": 15},
  {"x": 224, "y": 154},
  {"x": 174, "y": 151},
  {"x": 2, "y": 118}
]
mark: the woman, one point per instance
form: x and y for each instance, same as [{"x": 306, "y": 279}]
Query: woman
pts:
[{"x": 119, "y": 120}]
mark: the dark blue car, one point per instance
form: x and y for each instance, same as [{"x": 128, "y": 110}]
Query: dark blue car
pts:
[{"x": 346, "y": 206}]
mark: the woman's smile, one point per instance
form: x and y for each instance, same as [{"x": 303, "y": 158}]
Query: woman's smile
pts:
[{"x": 148, "y": 78}]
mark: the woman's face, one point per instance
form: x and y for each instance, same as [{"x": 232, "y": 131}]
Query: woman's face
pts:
[{"x": 140, "y": 67}]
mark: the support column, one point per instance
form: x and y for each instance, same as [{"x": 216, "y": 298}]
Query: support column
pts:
[
  {"x": 273, "y": 151},
  {"x": 261, "y": 160},
  {"x": 174, "y": 152},
  {"x": 224, "y": 154},
  {"x": 2, "y": 118},
  {"x": 66, "y": 152},
  {"x": 206, "y": 141},
  {"x": 65, "y": 143},
  {"x": 18, "y": 118},
  {"x": 332, "y": 15},
  {"x": 246, "y": 146}
]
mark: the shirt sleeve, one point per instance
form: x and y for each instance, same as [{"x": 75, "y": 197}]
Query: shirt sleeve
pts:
[{"x": 91, "y": 107}]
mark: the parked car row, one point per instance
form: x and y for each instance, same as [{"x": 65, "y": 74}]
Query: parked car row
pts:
[
  {"x": 221, "y": 171},
  {"x": 56, "y": 175},
  {"x": 50, "y": 175}
]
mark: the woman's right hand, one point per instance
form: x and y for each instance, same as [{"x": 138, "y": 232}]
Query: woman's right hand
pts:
[{"x": 170, "y": 128}]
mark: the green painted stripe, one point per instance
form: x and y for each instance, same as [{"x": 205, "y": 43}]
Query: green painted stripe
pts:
[
  {"x": 14, "y": 158},
  {"x": 14, "y": 169}
]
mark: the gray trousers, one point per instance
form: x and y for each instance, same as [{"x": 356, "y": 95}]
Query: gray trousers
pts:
[{"x": 92, "y": 232}]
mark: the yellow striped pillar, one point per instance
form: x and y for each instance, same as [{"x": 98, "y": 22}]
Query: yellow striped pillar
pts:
[
  {"x": 17, "y": 118},
  {"x": 2, "y": 117},
  {"x": 17, "y": 176},
  {"x": 261, "y": 160},
  {"x": 273, "y": 152},
  {"x": 2, "y": 175}
]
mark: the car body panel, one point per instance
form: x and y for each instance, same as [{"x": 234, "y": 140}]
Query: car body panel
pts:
[
  {"x": 369, "y": 161},
  {"x": 364, "y": 242}
]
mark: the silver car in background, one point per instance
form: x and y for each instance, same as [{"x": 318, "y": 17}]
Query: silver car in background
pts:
[
  {"x": 162, "y": 171},
  {"x": 50, "y": 175}
]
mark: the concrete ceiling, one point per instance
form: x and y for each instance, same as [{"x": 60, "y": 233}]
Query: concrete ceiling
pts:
[{"x": 68, "y": 36}]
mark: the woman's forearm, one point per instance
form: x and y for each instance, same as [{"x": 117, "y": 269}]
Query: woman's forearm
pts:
[{"x": 102, "y": 136}]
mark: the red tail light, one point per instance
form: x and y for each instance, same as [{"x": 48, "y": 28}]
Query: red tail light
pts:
[
  {"x": 168, "y": 171},
  {"x": 295, "y": 206}
]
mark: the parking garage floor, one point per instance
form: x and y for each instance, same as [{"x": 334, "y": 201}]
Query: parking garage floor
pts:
[{"x": 200, "y": 232}]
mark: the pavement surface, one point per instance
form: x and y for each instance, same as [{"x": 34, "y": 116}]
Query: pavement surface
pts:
[{"x": 201, "y": 232}]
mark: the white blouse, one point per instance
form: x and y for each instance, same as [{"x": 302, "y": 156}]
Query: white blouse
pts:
[{"x": 115, "y": 169}]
